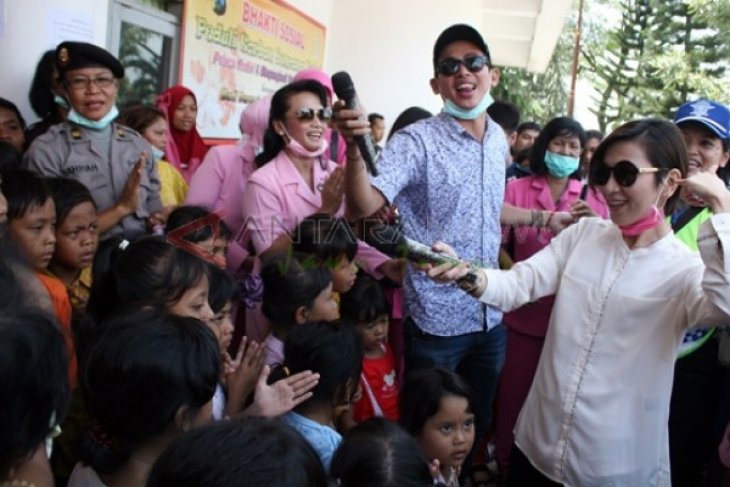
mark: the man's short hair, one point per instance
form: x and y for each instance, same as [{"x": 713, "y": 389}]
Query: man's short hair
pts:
[
  {"x": 372, "y": 117},
  {"x": 528, "y": 126},
  {"x": 506, "y": 114}
]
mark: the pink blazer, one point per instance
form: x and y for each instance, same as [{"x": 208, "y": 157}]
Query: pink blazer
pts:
[
  {"x": 220, "y": 181},
  {"x": 532, "y": 192},
  {"x": 277, "y": 198},
  {"x": 219, "y": 184}
]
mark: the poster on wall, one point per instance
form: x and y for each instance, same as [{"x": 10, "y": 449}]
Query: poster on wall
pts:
[{"x": 236, "y": 51}]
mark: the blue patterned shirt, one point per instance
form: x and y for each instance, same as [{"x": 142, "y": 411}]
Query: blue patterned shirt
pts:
[{"x": 448, "y": 186}]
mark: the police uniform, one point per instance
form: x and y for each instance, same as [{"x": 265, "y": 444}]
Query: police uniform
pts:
[{"x": 67, "y": 150}]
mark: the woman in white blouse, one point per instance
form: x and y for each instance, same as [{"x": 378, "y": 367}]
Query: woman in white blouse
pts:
[{"x": 626, "y": 291}]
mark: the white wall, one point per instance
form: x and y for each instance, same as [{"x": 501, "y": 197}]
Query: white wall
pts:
[
  {"x": 387, "y": 47},
  {"x": 27, "y": 36}
]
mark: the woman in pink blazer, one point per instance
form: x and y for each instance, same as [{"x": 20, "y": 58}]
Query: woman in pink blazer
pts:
[{"x": 296, "y": 178}]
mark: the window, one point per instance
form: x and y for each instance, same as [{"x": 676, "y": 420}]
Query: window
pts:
[{"x": 146, "y": 41}]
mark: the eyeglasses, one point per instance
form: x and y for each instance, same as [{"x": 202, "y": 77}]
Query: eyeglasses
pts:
[
  {"x": 450, "y": 65},
  {"x": 308, "y": 114},
  {"x": 624, "y": 172},
  {"x": 83, "y": 82}
]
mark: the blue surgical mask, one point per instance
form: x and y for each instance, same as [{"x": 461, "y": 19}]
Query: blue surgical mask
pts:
[
  {"x": 560, "y": 166},
  {"x": 75, "y": 117},
  {"x": 61, "y": 102},
  {"x": 157, "y": 153},
  {"x": 456, "y": 111}
]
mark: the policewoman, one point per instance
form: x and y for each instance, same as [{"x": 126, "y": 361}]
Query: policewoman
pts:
[{"x": 113, "y": 161}]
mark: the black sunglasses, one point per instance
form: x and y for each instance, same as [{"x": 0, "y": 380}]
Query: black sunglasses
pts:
[
  {"x": 624, "y": 172},
  {"x": 308, "y": 114},
  {"x": 450, "y": 65}
]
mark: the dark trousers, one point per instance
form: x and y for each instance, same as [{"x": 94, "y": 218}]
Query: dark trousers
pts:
[
  {"x": 692, "y": 410},
  {"x": 476, "y": 357},
  {"x": 523, "y": 474}
]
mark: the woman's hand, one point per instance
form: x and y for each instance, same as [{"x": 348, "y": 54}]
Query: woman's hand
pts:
[
  {"x": 560, "y": 221},
  {"x": 448, "y": 271},
  {"x": 580, "y": 209},
  {"x": 282, "y": 396},
  {"x": 705, "y": 188},
  {"x": 333, "y": 192},
  {"x": 129, "y": 201},
  {"x": 393, "y": 270}
]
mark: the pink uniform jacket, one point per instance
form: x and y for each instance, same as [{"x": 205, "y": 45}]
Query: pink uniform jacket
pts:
[
  {"x": 532, "y": 192},
  {"x": 220, "y": 181}
]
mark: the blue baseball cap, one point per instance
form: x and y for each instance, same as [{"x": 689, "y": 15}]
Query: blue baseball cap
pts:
[{"x": 715, "y": 116}]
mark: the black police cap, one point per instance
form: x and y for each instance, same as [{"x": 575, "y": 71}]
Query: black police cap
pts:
[{"x": 76, "y": 55}]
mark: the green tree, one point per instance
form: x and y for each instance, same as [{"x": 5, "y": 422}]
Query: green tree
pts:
[
  {"x": 142, "y": 64},
  {"x": 540, "y": 96},
  {"x": 662, "y": 53}
]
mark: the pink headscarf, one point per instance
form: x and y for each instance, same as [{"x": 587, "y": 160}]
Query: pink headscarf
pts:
[{"x": 254, "y": 121}]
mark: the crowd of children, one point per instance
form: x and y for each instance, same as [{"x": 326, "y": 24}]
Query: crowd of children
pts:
[{"x": 145, "y": 341}]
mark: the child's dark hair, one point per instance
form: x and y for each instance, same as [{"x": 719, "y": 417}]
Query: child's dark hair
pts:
[
  {"x": 259, "y": 451},
  {"x": 24, "y": 190},
  {"x": 9, "y": 105},
  {"x": 147, "y": 272},
  {"x": 143, "y": 367},
  {"x": 364, "y": 303},
  {"x": 333, "y": 350},
  {"x": 378, "y": 452},
  {"x": 35, "y": 391},
  {"x": 68, "y": 194},
  {"x": 289, "y": 285},
  {"x": 10, "y": 159},
  {"x": 222, "y": 288},
  {"x": 422, "y": 392},
  {"x": 325, "y": 238},
  {"x": 224, "y": 231},
  {"x": 182, "y": 215}
]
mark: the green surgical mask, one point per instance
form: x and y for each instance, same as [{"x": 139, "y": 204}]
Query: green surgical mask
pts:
[
  {"x": 560, "y": 166},
  {"x": 75, "y": 117}
]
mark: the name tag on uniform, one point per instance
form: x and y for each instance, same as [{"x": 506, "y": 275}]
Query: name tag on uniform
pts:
[{"x": 79, "y": 169}]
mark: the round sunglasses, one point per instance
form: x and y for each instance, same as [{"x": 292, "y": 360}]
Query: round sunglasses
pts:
[
  {"x": 624, "y": 172},
  {"x": 308, "y": 114},
  {"x": 450, "y": 65}
]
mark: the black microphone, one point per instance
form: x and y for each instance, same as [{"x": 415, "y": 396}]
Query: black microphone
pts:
[
  {"x": 345, "y": 90},
  {"x": 389, "y": 239}
]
